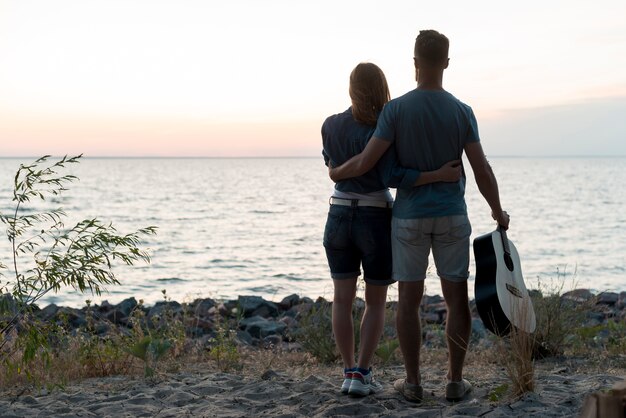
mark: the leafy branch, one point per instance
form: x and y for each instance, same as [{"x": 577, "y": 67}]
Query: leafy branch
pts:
[{"x": 81, "y": 257}]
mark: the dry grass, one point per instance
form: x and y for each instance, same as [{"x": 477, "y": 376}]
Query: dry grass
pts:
[
  {"x": 516, "y": 356},
  {"x": 515, "y": 351}
]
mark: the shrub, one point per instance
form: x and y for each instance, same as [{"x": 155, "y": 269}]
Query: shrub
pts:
[
  {"x": 315, "y": 332},
  {"x": 556, "y": 319},
  {"x": 46, "y": 256},
  {"x": 223, "y": 348}
]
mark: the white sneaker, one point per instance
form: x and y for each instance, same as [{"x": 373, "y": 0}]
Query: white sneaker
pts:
[
  {"x": 347, "y": 380},
  {"x": 363, "y": 385}
]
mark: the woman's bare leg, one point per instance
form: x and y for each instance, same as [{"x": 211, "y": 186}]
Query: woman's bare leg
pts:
[{"x": 343, "y": 327}]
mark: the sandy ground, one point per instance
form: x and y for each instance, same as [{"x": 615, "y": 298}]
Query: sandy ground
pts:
[{"x": 559, "y": 393}]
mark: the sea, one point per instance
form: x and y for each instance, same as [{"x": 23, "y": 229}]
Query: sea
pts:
[{"x": 253, "y": 226}]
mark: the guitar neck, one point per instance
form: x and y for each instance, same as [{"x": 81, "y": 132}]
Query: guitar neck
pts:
[
  {"x": 508, "y": 261},
  {"x": 505, "y": 240}
]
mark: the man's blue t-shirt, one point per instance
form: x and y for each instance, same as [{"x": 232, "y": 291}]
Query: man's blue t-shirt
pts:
[{"x": 428, "y": 128}]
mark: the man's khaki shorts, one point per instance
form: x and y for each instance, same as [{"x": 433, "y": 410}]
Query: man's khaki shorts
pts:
[{"x": 412, "y": 239}]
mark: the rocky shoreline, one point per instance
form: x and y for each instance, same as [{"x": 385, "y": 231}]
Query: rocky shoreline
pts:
[{"x": 260, "y": 323}]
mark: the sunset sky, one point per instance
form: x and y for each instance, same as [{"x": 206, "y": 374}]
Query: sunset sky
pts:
[{"x": 257, "y": 78}]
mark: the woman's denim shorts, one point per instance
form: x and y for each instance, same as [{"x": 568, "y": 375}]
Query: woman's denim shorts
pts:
[{"x": 356, "y": 236}]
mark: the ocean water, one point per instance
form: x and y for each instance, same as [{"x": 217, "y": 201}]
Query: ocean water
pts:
[{"x": 229, "y": 227}]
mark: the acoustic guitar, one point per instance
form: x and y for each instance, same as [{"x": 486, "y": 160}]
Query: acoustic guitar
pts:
[{"x": 500, "y": 293}]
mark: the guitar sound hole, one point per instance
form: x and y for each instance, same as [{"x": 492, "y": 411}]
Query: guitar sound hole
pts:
[
  {"x": 514, "y": 290},
  {"x": 508, "y": 261}
]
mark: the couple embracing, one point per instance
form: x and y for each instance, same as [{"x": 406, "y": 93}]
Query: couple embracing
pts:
[{"x": 413, "y": 143}]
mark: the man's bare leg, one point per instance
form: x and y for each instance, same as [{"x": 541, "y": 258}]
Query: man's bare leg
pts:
[
  {"x": 409, "y": 327},
  {"x": 458, "y": 326}
]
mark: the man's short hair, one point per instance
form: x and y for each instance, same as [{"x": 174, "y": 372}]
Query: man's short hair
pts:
[{"x": 431, "y": 47}]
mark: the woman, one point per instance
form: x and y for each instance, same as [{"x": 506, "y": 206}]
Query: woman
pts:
[{"x": 358, "y": 228}]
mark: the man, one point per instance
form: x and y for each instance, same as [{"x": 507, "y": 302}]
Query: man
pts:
[{"x": 429, "y": 127}]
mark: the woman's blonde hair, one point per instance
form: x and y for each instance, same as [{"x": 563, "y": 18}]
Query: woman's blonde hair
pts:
[{"x": 369, "y": 92}]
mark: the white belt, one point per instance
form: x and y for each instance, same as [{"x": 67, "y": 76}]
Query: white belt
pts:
[{"x": 360, "y": 202}]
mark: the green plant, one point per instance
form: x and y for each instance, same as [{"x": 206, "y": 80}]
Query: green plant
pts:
[
  {"x": 223, "y": 348},
  {"x": 170, "y": 326},
  {"x": 556, "y": 318},
  {"x": 315, "y": 333},
  {"x": 386, "y": 349},
  {"x": 100, "y": 355},
  {"x": 616, "y": 337},
  {"x": 498, "y": 392},
  {"x": 148, "y": 342},
  {"x": 609, "y": 338},
  {"x": 150, "y": 350},
  {"x": 46, "y": 255}
]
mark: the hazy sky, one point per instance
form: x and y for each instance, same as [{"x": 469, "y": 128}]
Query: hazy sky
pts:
[{"x": 254, "y": 77}]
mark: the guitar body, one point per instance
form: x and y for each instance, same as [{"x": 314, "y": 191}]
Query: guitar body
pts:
[{"x": 502, "y": 299}]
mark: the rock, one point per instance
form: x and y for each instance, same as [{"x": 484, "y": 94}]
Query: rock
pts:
[
  {"x": 102, "y": 328},
  {"x": 48, "y": 312},
  {"x": 194, "y": 332},
  {"x": 257, "y": 306},
  {"x": 245, "y": 337},
  {"x": 289, "y": 301},
  {"x": 269, "y": 375},
  {"x": 204, "y": 325},
  {"x": 203, "y": 307},
  {"x": 430, "y": 317},
  {"x": 260, "y": 327},
  {"x": 104, "y": 307},
  {"x": 244, "y": 323},
  {"x": 434, "y": 337},
  {"x": 229, "y": 305},
  {"x": 117, "y": 317},
  {"x": 160, "y": 308},
  {"x": 608, "y": 298},
  {"x": 289, "y": 321},
  {"x": 272, "y": 341},
  {"x": 473, "y": 308},
  {"x": 321, "y": 301},
  {"x": 220, "y": 309},
  {"x": 73, "y": 317},
  {"x": 594, "y": 319},
  {"x": 441, "y": 310},
  {"x": 126, "y": 306},
  {"x": 479, "y": 330},
  {"x": 578, "y": 295},
  {"x": 291, "y": 347},
  {"x": 299, "y": 310},
  {"x": 8, "y": 306},
  {"x": 431, "y": 300}
]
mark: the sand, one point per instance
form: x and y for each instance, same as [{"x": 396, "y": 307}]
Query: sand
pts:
[{"x": 559, "y": 393}]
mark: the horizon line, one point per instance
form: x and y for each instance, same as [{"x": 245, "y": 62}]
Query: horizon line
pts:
[{"x": 229, "y": 157}]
